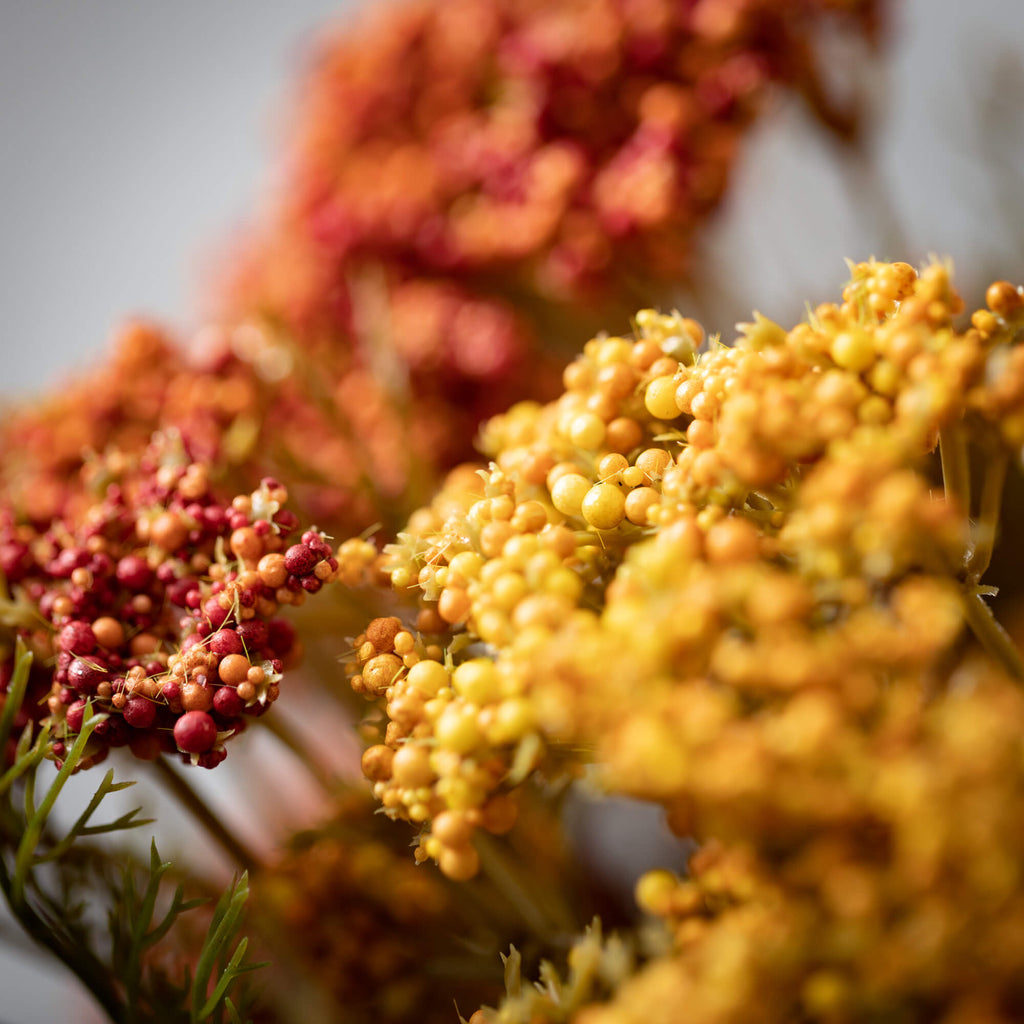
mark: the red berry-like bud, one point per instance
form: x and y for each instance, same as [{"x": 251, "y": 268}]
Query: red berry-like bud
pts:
[
  {"x": 212, "y": 758},
  {"x": 214, "y": 612},
  {"x": 84, "y": 677},
  {"x": 178, "y": 591},
  {"x": 299, "y": 560},
  {"x": 140, "y": 713},
  {"x": 254, "y": 634},
  {"x": 226, "y": 702},
  {"x": 75, "y": 715},
  {"x": 282, "y": 636},
  {"x": 15, "y": 560},
  {"x": 133, "y": 572},
  {"x": 195, "y": 732},
  {"x": 226, "y": 641},
  {"x": 77, "y": 637},
  {"x": 287, "y": 520}
]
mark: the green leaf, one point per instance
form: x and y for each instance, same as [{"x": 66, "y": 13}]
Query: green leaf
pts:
[{"x": 15, "y": 690}]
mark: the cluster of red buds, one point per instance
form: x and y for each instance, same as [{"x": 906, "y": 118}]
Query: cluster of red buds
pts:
[
  {"x": 159, "y": 602},
  {"x": 556, "y": 154}
]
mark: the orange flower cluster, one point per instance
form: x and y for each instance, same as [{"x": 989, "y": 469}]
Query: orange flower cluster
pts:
[{"x": 739, "y": 582}]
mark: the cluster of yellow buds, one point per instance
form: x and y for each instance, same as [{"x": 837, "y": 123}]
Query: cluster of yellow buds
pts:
[{"x": 744, "y": 582}]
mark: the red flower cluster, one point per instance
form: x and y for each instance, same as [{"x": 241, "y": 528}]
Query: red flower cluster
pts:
[{"x": 158, "y": 601}]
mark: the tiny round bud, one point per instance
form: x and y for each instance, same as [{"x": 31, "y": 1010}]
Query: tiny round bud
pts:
[
  {"x": 377, "y": 761},
  {"x": 604, "y": 506},
  {"x": 568, "y": 493},
  {"x": 168, "y": 531},
  {"x": 196, "y": 695},
  {"x": 133, "y": 572},
  {"x": 660, "y": 398},
  {"x": 226, "y": 641},
  {"x": 459, "y": 863},
  {"x": 411, "y": 767},
  {"x": 246, "y": 544},
  {"x": 299, "y": 560},
  {"x": 233, "y": 669},
  {"x": 272, "y": 569},
  {"x": 85, "y": 676},
  {"x": 227, "y": 702},
  {"x": 382, "y": 632},
  {"x": 108, "y": 632},
  {"x": 140, "y": 713},
  {"x": 453, "y": 828},
  {"x": 195, "y": 732}
]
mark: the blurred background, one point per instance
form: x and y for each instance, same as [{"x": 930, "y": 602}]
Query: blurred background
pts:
[{"x": 137, "y": 137}]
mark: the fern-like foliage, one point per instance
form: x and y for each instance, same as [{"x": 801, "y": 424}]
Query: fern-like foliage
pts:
[{"x": 54, "y": 880}]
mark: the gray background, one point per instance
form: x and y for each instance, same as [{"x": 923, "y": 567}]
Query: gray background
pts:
[{"x": 135, "y": 136}]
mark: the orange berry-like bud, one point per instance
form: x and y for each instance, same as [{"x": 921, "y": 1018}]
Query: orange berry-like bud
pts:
[
  {"x": 272, "y": 570},
  {"x": 733, "y": 540},
  {"x": 382, "y": 632},
  {"x": 246, "y": 544},
  {"x": 168, "y": 531},
  {"x": 1003, "y": 298},
  {"x": 459, "y": 863},
  {"x": 376, "y": 762},
  {"x": 234, "y": 669},
  {"x": 108, "y": 631},
  {"x": 196, "y": 697}
]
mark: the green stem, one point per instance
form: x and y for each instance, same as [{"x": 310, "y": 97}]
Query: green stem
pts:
[
  {"x": 197, "y": 807},
  {"x": 991, "y": 635},
  {"x": 956, "y": 469},
  {"x": 545, "y": 919},
  {"x": 988, "y": 519}
]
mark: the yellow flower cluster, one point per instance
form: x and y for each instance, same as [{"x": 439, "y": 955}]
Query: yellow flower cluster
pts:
[{"x": 739, "y": 580}]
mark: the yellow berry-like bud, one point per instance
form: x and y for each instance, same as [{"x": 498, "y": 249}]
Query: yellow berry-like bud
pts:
[
  {"x": 459, "y": 794},
  {"x": 411, "y": 767},
  {"x": 568, "y": 493},
  {"x": 587, "y": 431},
  {"x": 457, "y": 729},
  {"x": 508, "y": 590},
  {"x": 466, "y": 564},
  {"x": 513, "y": 718},
  {"x": 654, "y": 889},
  {"x": 604, "y": 506},
  {"x": 853, "y": 350},
  {"x": 427, "y": 677},
  {"x": 477, "y": 680},
  {"x": 660, "y": 398}
]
